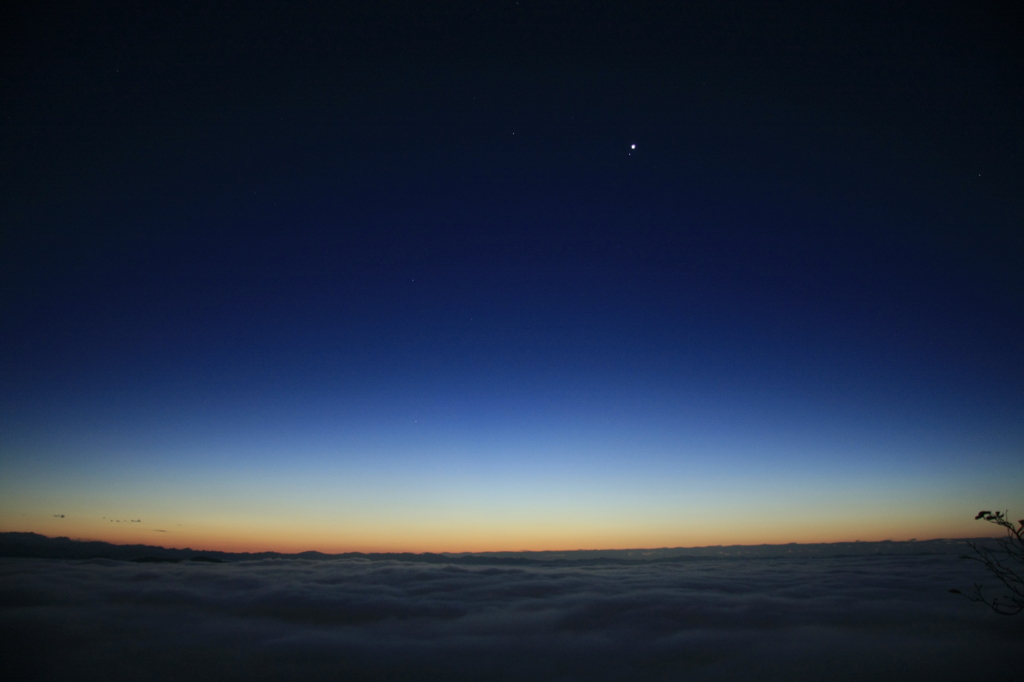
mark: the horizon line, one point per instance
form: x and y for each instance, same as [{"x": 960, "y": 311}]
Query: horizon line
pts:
[{"x": 506, "y": 551}]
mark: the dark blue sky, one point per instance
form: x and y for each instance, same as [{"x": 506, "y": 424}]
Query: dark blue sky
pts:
[{"x": 285, "y": 249}]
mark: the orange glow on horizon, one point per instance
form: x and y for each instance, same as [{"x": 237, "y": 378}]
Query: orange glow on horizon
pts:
[{"x": 456, "y": 540}]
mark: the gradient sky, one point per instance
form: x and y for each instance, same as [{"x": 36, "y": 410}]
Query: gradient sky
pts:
[{"x": 398, "y": 279}]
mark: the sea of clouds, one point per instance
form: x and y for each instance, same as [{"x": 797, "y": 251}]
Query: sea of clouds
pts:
[{"x": 873, "y": 617}]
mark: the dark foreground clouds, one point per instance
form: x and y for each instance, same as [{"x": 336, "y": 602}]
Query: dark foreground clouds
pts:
[{"x": 805, "y": 618}]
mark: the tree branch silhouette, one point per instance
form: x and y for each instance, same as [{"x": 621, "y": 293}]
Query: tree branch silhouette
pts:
[{"x": 1005, "y": 561}]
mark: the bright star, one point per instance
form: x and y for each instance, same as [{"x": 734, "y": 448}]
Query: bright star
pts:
[{"x": 632, "y": 146}]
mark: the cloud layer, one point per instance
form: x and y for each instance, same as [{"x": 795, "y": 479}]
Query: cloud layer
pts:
[{"x": 805, "y": 618}]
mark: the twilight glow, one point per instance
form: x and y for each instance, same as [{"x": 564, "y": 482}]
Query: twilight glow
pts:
[{"x": 500, "y": 297}]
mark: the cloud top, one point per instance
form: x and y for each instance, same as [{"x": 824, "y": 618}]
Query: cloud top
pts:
[{"x": 851, "y": 617}]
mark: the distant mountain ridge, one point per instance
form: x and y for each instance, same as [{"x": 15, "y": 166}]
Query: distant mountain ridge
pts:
[{"x": 36, "y": 546}]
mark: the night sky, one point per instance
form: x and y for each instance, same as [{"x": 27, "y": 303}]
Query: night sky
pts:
[{"x": 510, "y": 275}]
